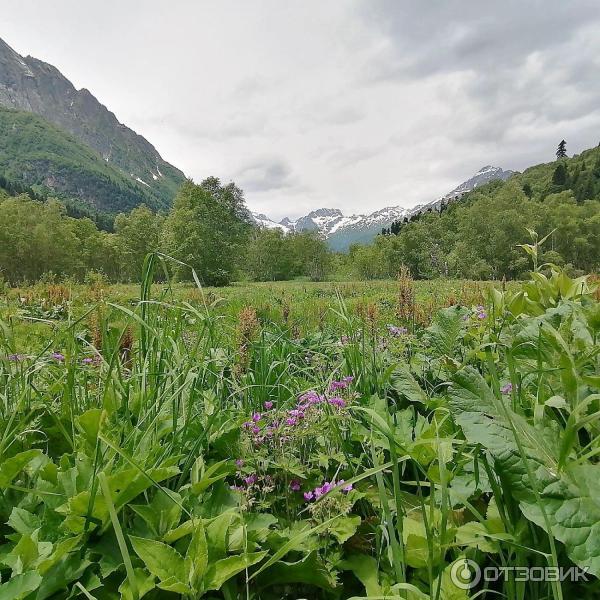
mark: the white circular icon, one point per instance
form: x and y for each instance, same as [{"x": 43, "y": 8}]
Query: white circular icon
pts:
[{"x": 465, "y": 574}]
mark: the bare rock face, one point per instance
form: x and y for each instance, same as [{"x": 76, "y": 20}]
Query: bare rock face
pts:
[{"x": 31, "y": 85}]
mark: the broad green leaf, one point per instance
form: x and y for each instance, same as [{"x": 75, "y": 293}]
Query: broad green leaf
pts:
[
  {"x": 12, "y": 466},
  {"x": 196, "y": 558},
  {"x": 446, "y": 329},
  {"x": 20, "y": 586},
  {"x": 222, "y": 570},
  {"x": 344, "y": 527},
  {"x": 366, "y": 570},
  {"x": 309, "y": 570},
  {"x": 569, "y": 498},
  {"x": 161, "y": 560},
  {"x": 406, "y": 385},
  {"x": 22, "y": 521},
  {"x": 145, "y": 583}
]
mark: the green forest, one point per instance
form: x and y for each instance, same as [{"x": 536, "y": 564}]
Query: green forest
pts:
[{"x": 209, "y": 230}]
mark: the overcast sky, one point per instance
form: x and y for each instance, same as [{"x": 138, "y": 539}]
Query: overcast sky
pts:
[{"x": 353, "y": 105}]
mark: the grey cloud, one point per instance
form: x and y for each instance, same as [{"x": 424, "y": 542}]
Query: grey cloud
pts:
[{"x": 265, "y": 175}]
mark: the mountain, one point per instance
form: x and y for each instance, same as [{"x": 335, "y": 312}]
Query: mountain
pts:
[
  {"x": 31, "y": 85},
  {"x": 341, "y": 231}
]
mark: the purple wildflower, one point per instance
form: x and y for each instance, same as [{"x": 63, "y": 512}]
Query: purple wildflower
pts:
[
  {"x": 339, "y": 402},
  {"x": 268, "y": 405},
  {"x": 482, "y": 315},
  {"x": 507, "y": 389},
  {"x": 291, "y": 421},
  {"x": 308, "y": 496},
  {"x": 250, "y": 480},
  {"x": 256, "y": 417},
  {"x": 396, "y": 331},
  {"x": 255, "y": 429},
  {"x": 16, "y": 357},
  {"x": 295, "y": 485},
  {"x": 345, "y": 488},
  {"x": 239, "y": 463},
  {"x": 58, "y": 356}
]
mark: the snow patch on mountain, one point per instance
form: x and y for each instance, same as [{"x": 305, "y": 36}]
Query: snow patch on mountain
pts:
[{"x": 341, "y": 231}]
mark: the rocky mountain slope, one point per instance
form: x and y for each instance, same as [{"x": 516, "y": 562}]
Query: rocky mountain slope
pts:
[
  {"x": 341, "y": 231},
  {"x": 31, "y": 85}
]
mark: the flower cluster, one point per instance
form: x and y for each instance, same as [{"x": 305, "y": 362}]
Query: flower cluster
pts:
[
  {"x": 506, "y": 389},
  {"x": 326, "y": 487},
  {"x": 342, "y": 384},
  {"x": 481, "y": 314},
  {"x": 396, "y": 331},
  {"x": 277, "y": 426}
]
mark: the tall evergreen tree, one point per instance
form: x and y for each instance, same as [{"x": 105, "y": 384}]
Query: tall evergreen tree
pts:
[{"x": 561, "y": 151}]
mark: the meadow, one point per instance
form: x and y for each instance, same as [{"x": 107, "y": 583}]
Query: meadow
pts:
[{"x": 385, "y": 439}]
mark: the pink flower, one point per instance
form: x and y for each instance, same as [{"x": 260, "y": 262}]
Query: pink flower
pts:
[
  {"x": 291, "y": 421},
  {"x": 255, "y": 430},
  {"x": 268, "y": 405},
  {"x": 295, "y": 485},
  {"x": 308, "y": 496},
  {"x": 256, "y": 417}
]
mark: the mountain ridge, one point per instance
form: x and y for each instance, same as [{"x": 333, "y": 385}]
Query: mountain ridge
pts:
[
  {"x": 341, "y": 231},
  {"x": 34, "y": 86}
]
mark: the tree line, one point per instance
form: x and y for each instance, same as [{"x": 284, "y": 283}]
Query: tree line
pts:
[{"x": 208, "y": 229}]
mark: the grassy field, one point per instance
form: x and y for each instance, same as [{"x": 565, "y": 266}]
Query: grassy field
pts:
[
  {"x": 301, "y": 306},
  {"x": 299, "y": 440}
]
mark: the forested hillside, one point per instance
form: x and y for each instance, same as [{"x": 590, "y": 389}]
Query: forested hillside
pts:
[
  {"x": 34, "y": 86},
  {"x": 477, "y": 237},
  {"x": 38, "y": 154}
]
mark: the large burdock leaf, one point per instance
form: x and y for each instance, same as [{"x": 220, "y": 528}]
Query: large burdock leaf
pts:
[{"x": 569, "y": 499}]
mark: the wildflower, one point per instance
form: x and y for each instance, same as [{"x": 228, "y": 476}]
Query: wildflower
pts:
[
  {"x": 482, "y": 315},
  {"x": 58, "y": 356},
  {"x": 339, "y": 402},
  {"x": 247, "y": 425},
  {"x": 291, "y": 421},
  {"x": 295, "y": 485},
  {"x": 255, "y": 429},
  {"x": 256, "y": 417},
  {"x": 507, "y": 389},
  {"x": 342, "y": 384},
  {"x": 308, "y": 496},
  {"x": 396, "y": 331},
  {"x": 345, "y": 487},
  {"x": 239, "y": 463},
  {"x": 344, "y": 340},
  {"x": 268, "y": 405},
  {"x": 250, "y": 480},
  {"x": 16, "y": 357}
]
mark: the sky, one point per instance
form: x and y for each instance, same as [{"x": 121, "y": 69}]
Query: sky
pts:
[{"x": 346, "y": 104}]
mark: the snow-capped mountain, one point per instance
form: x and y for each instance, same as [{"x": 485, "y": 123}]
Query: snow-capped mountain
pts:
[{"x": 341, "y": 231}]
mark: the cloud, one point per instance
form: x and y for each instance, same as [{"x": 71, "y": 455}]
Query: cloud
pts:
[
  {"x": 353, "y": 105},
  {"x": 265, "y": 175}
]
